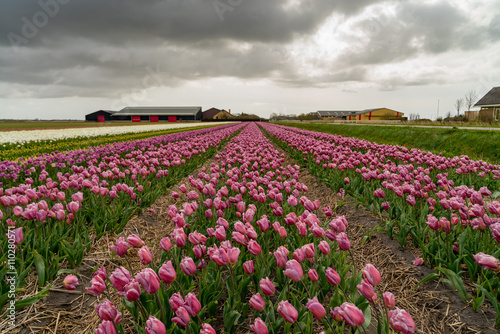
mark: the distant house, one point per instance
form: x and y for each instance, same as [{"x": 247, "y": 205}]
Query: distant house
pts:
[
  {"x": 216, "y": 114},
  {"x": 490, "y": 107},
  {"x": 147, "y": 114},
  {"x": 361, "y": 115}
]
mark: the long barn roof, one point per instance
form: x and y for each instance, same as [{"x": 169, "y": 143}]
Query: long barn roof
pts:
[{"x": 131, "y": 111}]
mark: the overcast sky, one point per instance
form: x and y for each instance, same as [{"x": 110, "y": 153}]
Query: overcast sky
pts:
[{"x": 62, "y": 59}]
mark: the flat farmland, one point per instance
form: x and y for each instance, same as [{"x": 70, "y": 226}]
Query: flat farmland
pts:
[{"x": 251, "y": 227}]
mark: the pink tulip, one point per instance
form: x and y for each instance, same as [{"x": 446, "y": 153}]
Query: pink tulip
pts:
[
  {"x": 372, "y": 275},
  {"x": 15, "y": 236},
  {"x": 145, "y": 255},
  {"x": 366, "y": 289},
  {"x": 135, "y": 241},
  {"x": 73, "y": 207},
  {"x": 176, "y": 301},
  {"x": 182, "y": 317},
  {"x": 293, "y": 270},
  {"x": 70, "y": 282},
  {"x": 121, "y": 246},
  {"x": 343, "y": 241},
  {"x": 267, "y": 286},
  {"x": 193, "y": 305},
  {"x": 259, "y": 326},
  {"x": 418, "y": 262},
  {"x": 233, "y": 255},
  {"x": 106, "y": 327},
  {"x": 183, "y": 188},
  {"x": 220, "y": 233},
  {"x": 167, "y": 273},
  {"x": 248, "y": 267},
  {"x": 389, "y": 300},
  {"x": 166, "y": 244},
  {"x": 313, "y": 275},
  {"x": 154, "y": 326},
  {"x": 207, "y": 329},
  {"x": 324, "y": 247},
  {"x": 488, "y": 261},
  {"x": 131, "y": 291},
  {"x": 401, "y": 321},
  {"x": 257, "y": 302},
  {"x": 254, "y": 248},
  {"x": 188, "y": 266},
  {"x": 149, "y": 280},
  {"x": 287, "y": 311},
  {"x": 316, "y": 308},
  {"x": 332, "y": 276},
  {"x": 107, "y": 311},
  {"x": 309, "y": 250},
  {"x": 351, "y": 314},
  {"x": 97, "y": 286}
]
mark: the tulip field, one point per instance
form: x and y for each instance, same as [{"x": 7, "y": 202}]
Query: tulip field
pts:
[{"x": 250, "y": 249}]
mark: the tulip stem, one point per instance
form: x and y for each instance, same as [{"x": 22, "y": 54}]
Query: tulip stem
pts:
[
  {"x": 128, "y": 262},
  {"x": 180, "y": 288},
  {"x": 305, "y": 287},
  {"x": 163, "y": 314},
  {"x": 298, "y": 325},
  {"x": 232, "y": 284},
  {"x": 143, "y": 310}
]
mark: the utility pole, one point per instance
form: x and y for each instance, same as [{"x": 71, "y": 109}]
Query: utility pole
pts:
[{"x": 437, "y": 114}]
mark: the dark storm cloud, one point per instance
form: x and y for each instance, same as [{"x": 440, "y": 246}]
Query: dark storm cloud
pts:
[{"x": 55, "y": 48}]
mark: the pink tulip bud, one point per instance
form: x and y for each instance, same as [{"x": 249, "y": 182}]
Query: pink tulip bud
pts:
[
  {"x": 259, "y": 326},
  {"x": 267, "y": 286},
  {"x": 135, "y": 241},
  {"x": 287, "y": 311},
  {"x": 488, "y": 261},
  {"x": 233, "y": 255},
  {"x": 248, "y": 267},
  {"x": 73, "y": 207},
  {"x": 121, "y": 246},
  {"x": 149, "y": 280},
  {"x": 366, "y": 289},
  {"x": 316, "y": 308},
  {"x": 97, "y": 286},
  {"x": 254, "y": 248},
  {"x": 119, "y": 278},
  {"x": 207, "y": 329},
  {"x": 343, "y": 241},
  {"x": 107, "y": 311},
  {"x": 401, "y": 321},
  {"x": 166, "y": 244},
  {"x": 257, "y": 302},
  {"x": 77, "y": 197},
  {"x": 131, "y": 291},
  {"x": 106, "y": 327},
  {"x": 418, "y": 262},
  {"x": 70, "y": 282},
  {"x": 332, "y": 276},
  {"x": 351, "y": 314},
  {"x": 372, "y": 275},
  {"x": 309, "y": 250},
  {"x": 324, "y": 247},
  {"x": 313, "y": 275},
  {"x": 167, "y": 272},
  {"x": 154, "y": 326},
  {"x": 182, "y": 317},
  {"x": 188, "y": 266},
  {"x": 192, "y": 305},
  {"x": 145, "y": 255},
  {"x": 389, "y": 300},
  {"x": 293, "y": 270}
]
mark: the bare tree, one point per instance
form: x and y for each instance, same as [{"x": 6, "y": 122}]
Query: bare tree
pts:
[
  {"x": 470, "y": 99},
  {"x": 458, "y": 105}
]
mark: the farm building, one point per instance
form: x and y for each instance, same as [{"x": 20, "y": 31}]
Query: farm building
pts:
[
  {"x": 361, "y": 115},
  {"x": 216, "y": 114},
  {"x": 490, "y": 107},
  {"x": 147, "y": 114}
]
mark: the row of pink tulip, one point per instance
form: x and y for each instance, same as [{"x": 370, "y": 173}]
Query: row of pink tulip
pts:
[
  {"x": 443, "y": 204},
  {"x": 268, "y": 243},
  {"x": 66, "y": 197}
]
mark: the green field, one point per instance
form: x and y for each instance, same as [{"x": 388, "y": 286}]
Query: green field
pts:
[{"x": 477, "y": 144}]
